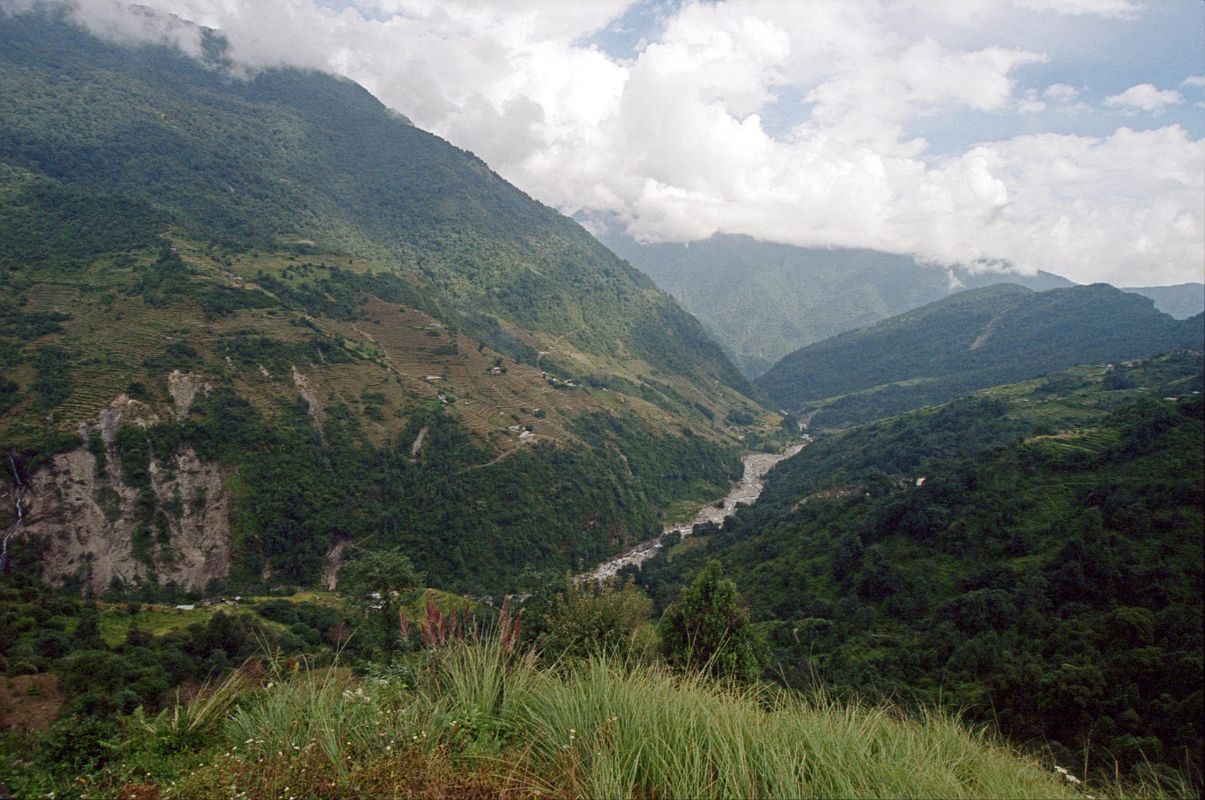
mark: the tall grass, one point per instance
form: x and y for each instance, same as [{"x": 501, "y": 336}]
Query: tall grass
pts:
[
  {"x": 472, "y": 694},
  {"x": 327, "y": 713},
  {"x": 185, "y": 724},
  {"x": 600, "y": 728},
  {"x": 613, "y": 731}
]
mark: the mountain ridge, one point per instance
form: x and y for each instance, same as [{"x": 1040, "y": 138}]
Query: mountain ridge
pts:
[
  {"x": 470, "y": 243},
  {"x": 804, "y": 295},
  {"x": 1180, "y": 300},
  {"x": 971, "y": 340}
]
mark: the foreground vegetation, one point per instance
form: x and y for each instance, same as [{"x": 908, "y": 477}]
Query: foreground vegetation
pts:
[
  {"x": 473, "y": 718},
  {"x": 588, "y": 700}
]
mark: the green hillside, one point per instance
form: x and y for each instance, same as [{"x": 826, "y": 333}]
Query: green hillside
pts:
[
  {"x": 974, "y": 339},
  {"x": 304, "y": 158},
  {"x": 246, "y": 323},
  {"x": 1031, "y": 553},
  {"x": 763, "y": 300}
]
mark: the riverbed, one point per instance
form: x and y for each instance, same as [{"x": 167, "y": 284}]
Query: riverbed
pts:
[{"x": 744, "y": 491}]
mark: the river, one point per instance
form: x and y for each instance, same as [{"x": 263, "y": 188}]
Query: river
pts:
[{"x": 745, "y": 491}]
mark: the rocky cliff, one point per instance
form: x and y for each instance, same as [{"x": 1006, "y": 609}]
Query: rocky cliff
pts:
[{"x": 89, "y": 524}]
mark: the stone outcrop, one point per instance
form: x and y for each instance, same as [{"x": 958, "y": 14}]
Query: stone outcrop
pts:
[{"x": 85, "y": 521}]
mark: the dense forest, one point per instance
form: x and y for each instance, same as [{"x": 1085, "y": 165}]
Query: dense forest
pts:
[
  {"x": 1031, "y": 553},
  {"x": 471, "y": 522}
]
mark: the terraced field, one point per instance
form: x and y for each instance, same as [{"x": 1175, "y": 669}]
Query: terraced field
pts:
[{"x": 1087, "y": 440}]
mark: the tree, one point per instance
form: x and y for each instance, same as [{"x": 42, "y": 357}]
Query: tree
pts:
[
  {"x": 585, "y": 618},
  {"x": 708, "y": 628},
  {"x": 379, "y": 581},
  {"x": 87, "y": 633}
]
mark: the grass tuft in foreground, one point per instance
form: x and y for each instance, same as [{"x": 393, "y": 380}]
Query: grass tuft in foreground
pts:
[{"x": 479, "y": 721}]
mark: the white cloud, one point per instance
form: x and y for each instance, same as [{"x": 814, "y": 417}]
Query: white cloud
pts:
[
  {"x": 1030, "y": 103},
  {"x": 1120, "y": 9},
  {"x": 122, "y": 22},
  {"x": 1195, "y": 81},
  {"x": 671, "y": 142},
  {"x": 1145, "y": 97},
  {"x": 1117, "y": 208},
  {"x": 1060, "y": 93},
  {"x": 539, "y": 19}
]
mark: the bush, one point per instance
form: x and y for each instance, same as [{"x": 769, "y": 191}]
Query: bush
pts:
[
  {"x": 77, "y": 745},
  {"x": 587, "y": 618}
]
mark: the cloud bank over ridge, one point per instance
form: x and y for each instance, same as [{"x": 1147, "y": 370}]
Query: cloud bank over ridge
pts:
[{"x": 790, "y": 122}]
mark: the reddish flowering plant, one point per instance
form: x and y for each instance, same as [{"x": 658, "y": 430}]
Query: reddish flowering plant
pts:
[
  {"x": 509, "y": 627},
  {"x": 439, "y": 629}
]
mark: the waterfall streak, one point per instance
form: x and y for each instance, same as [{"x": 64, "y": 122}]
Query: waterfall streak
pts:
[{"x": 19, "y": 492}]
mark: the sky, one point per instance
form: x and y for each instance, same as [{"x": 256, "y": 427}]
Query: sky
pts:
[{"x": 1064, "y": 135}]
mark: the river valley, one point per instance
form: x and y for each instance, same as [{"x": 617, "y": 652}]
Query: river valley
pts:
[{"x": 743, "y": 492}]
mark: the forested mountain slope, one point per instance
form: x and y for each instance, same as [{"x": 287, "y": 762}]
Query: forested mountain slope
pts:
[
  {"x": 974, "y": 339},
  {"x": 1031, "y": 553},
  {"x": 292, "y": 157},
  {"x": 250, "y": 323},
  {"x": 763, "y": 300}
]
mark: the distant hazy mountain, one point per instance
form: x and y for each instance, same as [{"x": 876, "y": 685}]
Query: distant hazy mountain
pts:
[
  {"x": 974, "y": 339},
  {"x": 1181, "y": 301},
  {"x": 762, "y": 300}
]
